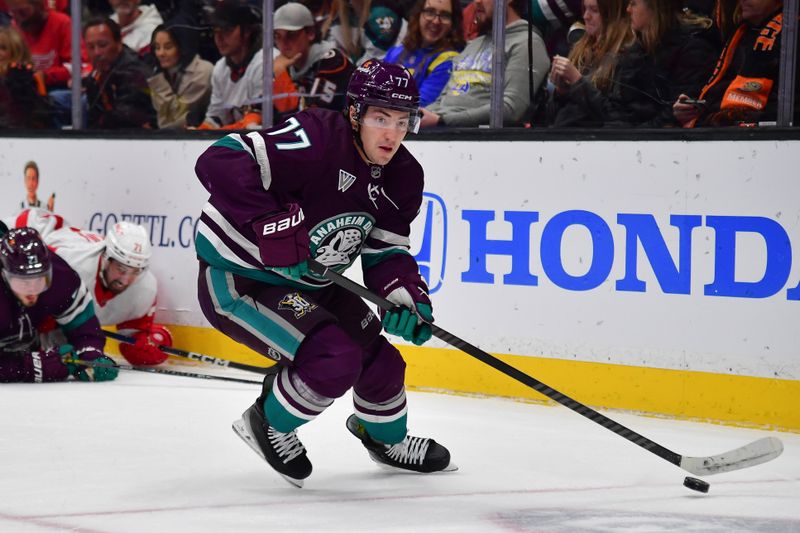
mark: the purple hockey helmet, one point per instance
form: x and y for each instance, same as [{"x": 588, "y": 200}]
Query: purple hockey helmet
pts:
[
  {"x": 384, "y": 85},
  {"x": 24, "y": 255}
]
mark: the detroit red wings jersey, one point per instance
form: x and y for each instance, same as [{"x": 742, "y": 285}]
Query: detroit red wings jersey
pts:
[
  {"x": 134, "y": 308},
  {"x": 41, "y": 220}
]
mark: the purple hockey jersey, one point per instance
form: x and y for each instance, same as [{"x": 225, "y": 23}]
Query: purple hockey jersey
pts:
[
  {"x": 67, "y": 300},
  {"x": 351, "y": 208}
]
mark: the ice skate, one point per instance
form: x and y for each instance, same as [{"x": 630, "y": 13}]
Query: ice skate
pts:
[
  {"x": 282, "y": 451},
  {"x": 413, "y": 453}
]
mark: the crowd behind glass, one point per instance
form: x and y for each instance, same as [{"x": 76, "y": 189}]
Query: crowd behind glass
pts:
[{"x": 198, "y": 64}]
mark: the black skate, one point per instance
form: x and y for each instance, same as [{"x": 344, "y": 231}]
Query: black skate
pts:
[
  {"x": 282, "y": 451},
  {"x": 413, "y": 453}
]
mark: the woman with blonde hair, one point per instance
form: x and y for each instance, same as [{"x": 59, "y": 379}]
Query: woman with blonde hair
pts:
[
  {"x": 23, "y": 101},
  {"x": 605, "y": 79}
]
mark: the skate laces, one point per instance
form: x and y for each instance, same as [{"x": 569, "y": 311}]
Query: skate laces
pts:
[
  {"x": 411, "y": 450},
  {"x": 286, "y": 445}
]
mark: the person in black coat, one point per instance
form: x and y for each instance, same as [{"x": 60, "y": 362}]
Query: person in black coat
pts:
[
  {"x": 681, "y": 47},
  {"x": 117, "y": 92}
]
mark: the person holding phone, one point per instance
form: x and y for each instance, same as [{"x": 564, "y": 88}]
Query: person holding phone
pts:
[{"x": 743, "y": 89}]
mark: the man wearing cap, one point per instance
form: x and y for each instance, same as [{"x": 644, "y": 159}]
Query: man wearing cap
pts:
[
  {"x": 237, "y": 79},
  {"x": 316, "y": 72}
]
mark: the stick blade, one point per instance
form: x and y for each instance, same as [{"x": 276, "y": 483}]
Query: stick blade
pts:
[{"x": 755, "y": 453}]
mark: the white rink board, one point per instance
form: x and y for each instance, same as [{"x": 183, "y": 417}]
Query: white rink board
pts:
[{"x": 735, "y": 182}]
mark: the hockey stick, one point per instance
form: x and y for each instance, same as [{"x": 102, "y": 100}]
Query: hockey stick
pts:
[
  {"x": 194, "y": 356},
  {"x": 158, "y": 370},
  {"x": 757, "y": 452}
]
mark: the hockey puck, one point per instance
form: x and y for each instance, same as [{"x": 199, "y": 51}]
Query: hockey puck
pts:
[{"x": 696, "y": 484}]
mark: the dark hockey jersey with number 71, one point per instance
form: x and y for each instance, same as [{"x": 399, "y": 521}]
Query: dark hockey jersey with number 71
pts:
[{"x": 350, "y": 208}]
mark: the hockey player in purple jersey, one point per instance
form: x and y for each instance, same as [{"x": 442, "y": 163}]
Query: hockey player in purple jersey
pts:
[
  {"x": 331, "y": 186},
  {"x": 40, "y": 293}
]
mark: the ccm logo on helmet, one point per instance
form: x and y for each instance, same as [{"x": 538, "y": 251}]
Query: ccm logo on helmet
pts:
[
  {"x": 401, "y": 96},
  {"x": 283, "y": 224}
]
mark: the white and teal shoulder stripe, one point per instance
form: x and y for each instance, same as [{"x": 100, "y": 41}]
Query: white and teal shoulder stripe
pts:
[
  {"x": 81, "y": 310},
  {"x": 234, "y": 141},
  {"x": 231, "y": 232}
]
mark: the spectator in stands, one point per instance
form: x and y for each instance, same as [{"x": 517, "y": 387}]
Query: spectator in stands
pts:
[
  {"x": 323, "y": 13},
  {"x": 744, "y": 86},
  {"x": 181, "y": 88},
  {"x": 314, "y": 71},
  {"x": 434, "y": 38},
  {"x": 555, "y": 21},
  {"x": 117, "y": 93},
  {"x": 136, "y": 22},
  {"x": 683, "y": 48},
  {"x": 365, "y": 29},
  {"x": 465, "y": 100},
  {"x": 23, "y": 98},
  {"x": 237, "y": 79},
  {"x": 607, "y": 79},
  {"x": 48, "y": 35}
]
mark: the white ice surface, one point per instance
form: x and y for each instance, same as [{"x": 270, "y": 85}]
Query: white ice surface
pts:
[{"x": 151, "y": 453}]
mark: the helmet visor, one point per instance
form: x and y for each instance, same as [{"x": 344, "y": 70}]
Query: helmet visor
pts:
[
  {"x": 408, "y": 124},
  {"x": 28, "y": 285}
]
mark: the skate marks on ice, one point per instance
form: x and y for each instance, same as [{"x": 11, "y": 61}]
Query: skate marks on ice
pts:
[{"x": 572, "y": 520}]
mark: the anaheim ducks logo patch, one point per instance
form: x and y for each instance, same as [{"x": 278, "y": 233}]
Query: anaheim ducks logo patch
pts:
[
  {"x": 751, "y": 87},
  {"x": 297, "y": 304},
  {"x": 336, "y": 242}
]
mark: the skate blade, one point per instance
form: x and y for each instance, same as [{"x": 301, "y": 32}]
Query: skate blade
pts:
[
  {"x": 241, "y": 428},
  {"x": 452, "y": 467}
]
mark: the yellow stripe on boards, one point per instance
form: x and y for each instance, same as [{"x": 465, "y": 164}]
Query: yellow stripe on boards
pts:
[
  {"x": 736, "y": 400},
  {"x": 729, "y": 399}
]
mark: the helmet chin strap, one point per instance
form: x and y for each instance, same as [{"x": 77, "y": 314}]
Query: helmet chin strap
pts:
[{"x": 103, "y": 267}]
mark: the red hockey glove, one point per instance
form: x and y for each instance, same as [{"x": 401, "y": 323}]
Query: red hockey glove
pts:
[
  {"x": 145, "y": 351},
  {"x": 283, "y": 241}
]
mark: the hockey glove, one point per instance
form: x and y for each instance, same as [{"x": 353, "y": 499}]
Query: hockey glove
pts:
[
  {"x": 39, "y": 366},
  {"x": 90, "y": 364},
  {"x": 410, "y": 319},
  {"x": 145, "y": 351},
  {"x": 283, "y": 242}
]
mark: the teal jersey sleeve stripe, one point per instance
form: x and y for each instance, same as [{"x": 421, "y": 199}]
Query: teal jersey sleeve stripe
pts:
[
  {"x": 80, "y": 318},
  {"x": 228, "y": 142},
  {"x": 369, "y": 261},
  {"x": 209, "y": 254}
]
